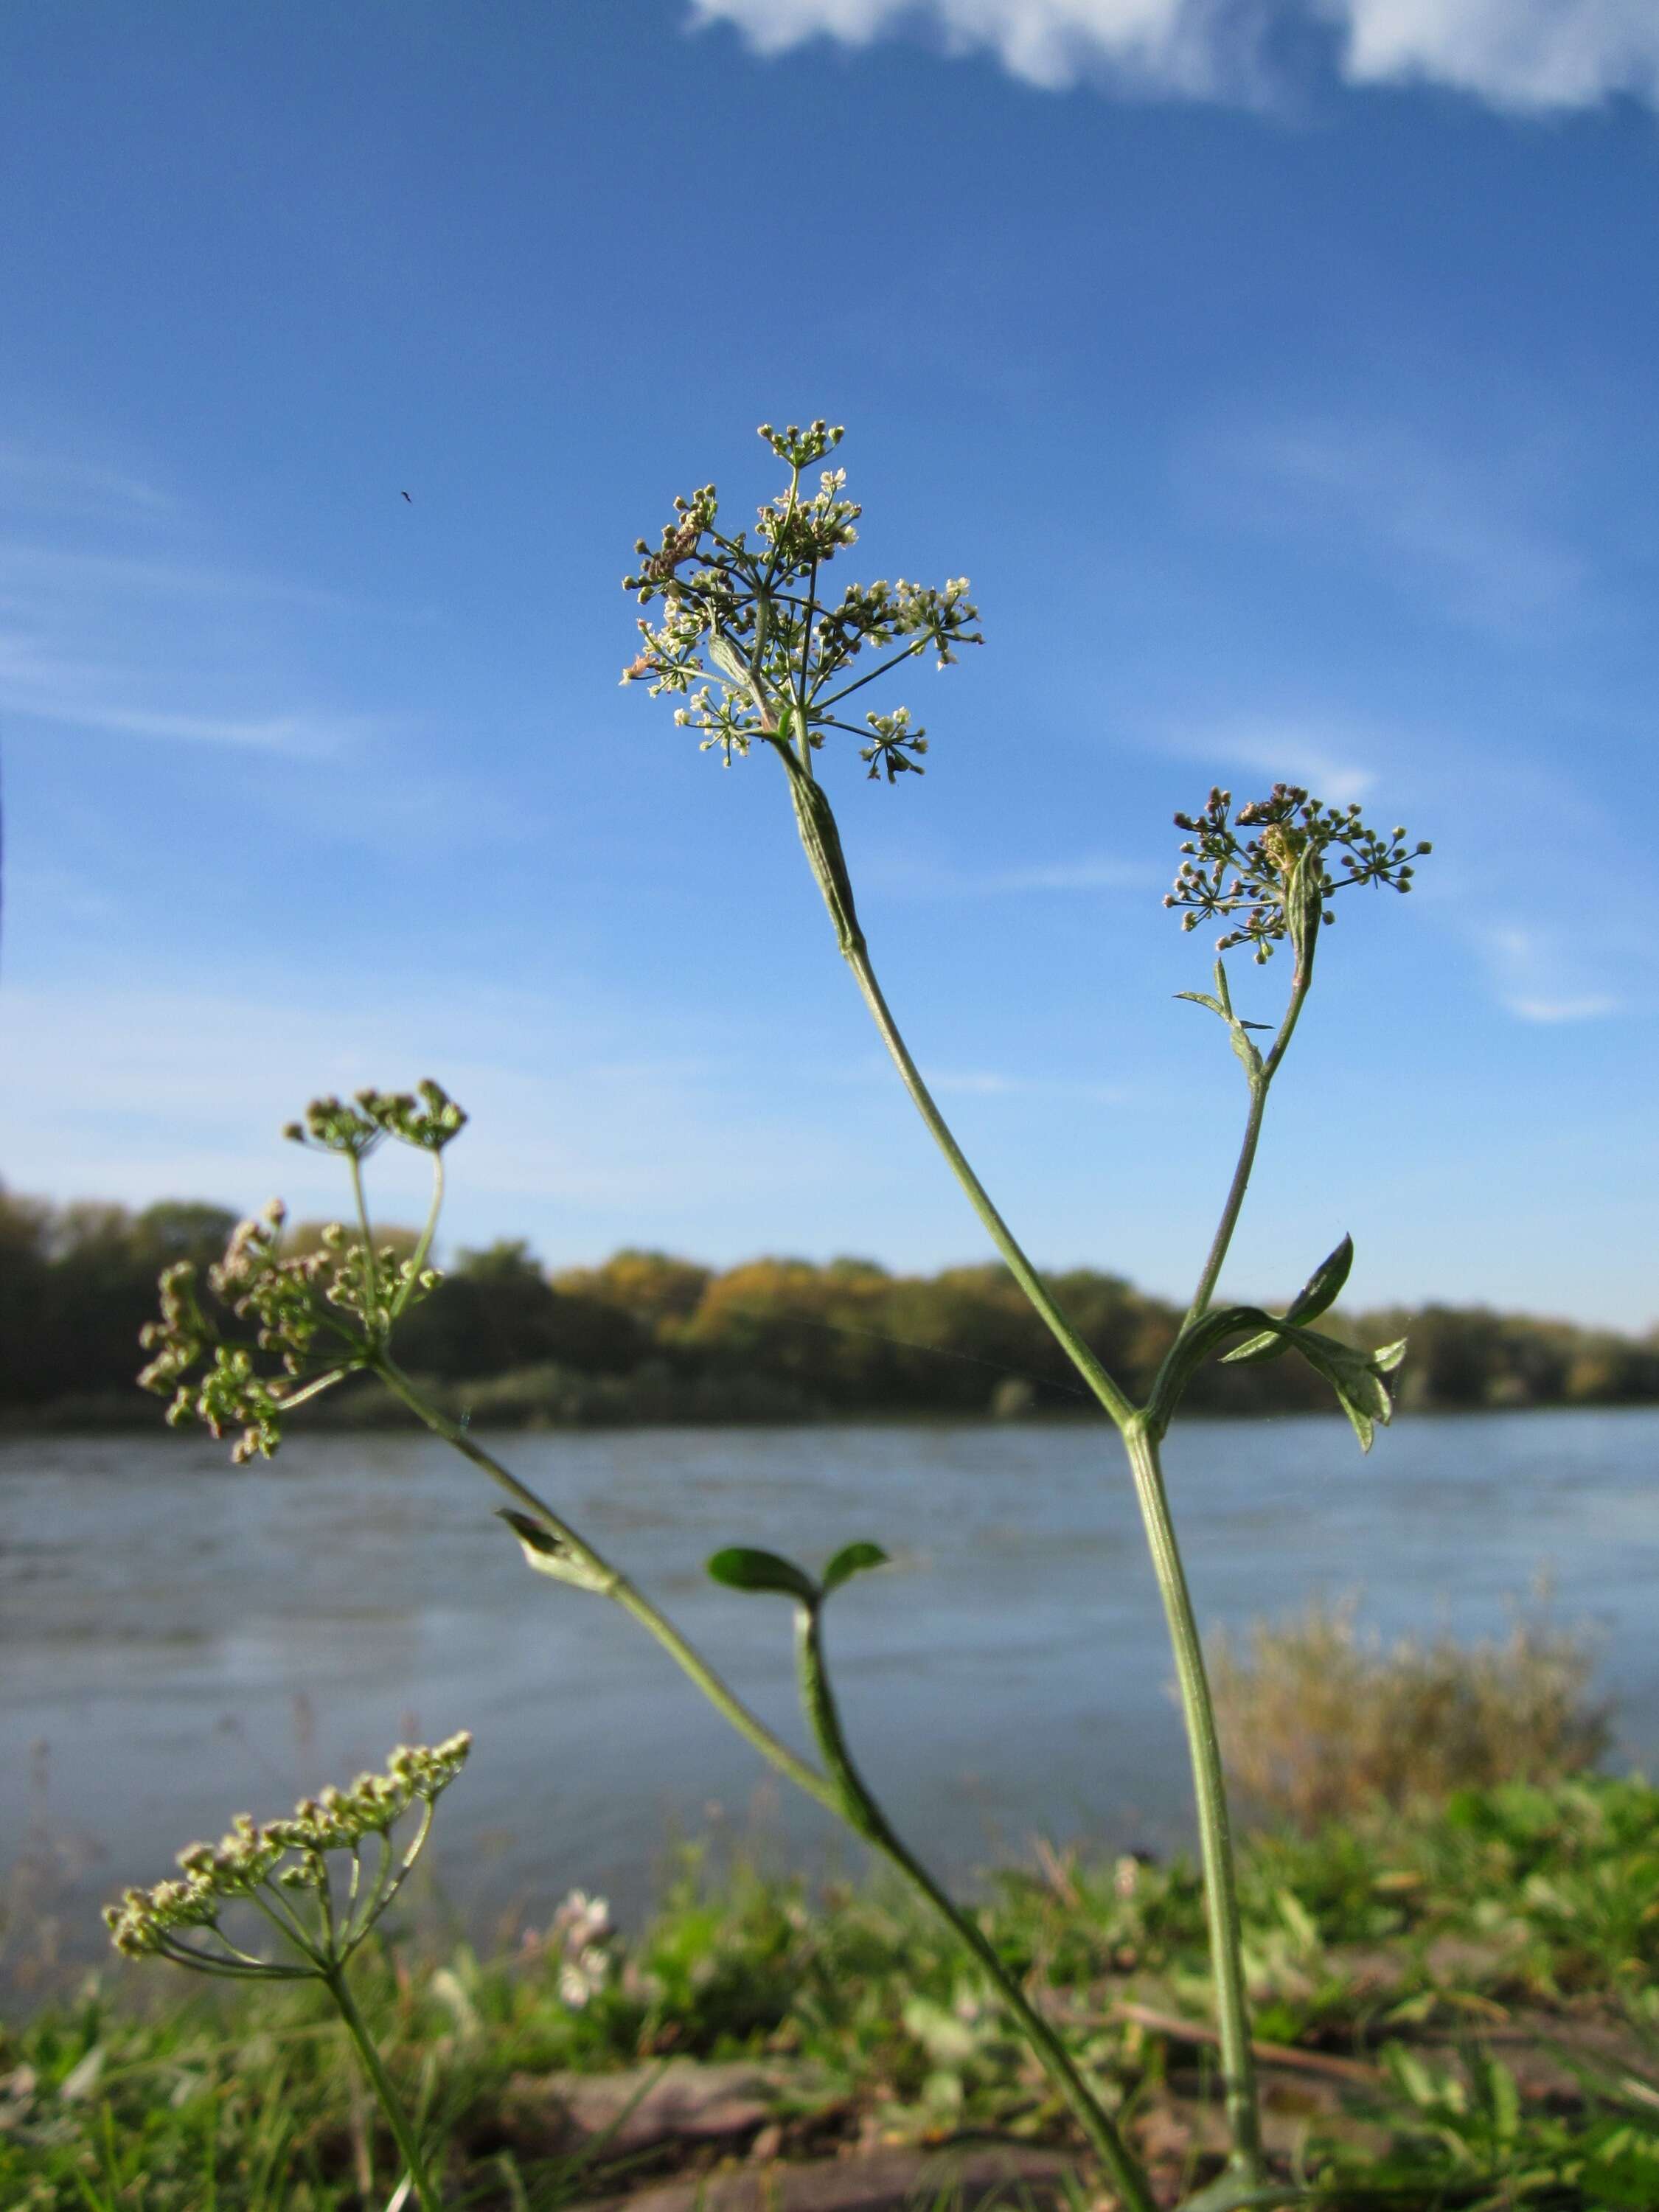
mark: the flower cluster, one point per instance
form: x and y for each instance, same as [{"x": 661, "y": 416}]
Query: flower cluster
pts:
[
  {"x": 893, "y": 739},
  {"x": 579, "y": 1935},
  {"x": 781, "y": 658},
  {"x": 290, "y": 1855},
  {"x": 1255, "y": 877},
  {"x": 308, "y": 1318},
  {"x": 425, "y": 1117}
]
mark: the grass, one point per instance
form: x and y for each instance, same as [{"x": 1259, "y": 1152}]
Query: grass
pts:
[
  {"x": 1480, "y": 1972},
  {"x": 1319, "y": 1720}
]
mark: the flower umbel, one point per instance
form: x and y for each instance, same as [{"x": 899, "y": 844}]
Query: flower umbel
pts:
[
  {"x": 782, "y": 659},
  {"x": 276, "y": 1866},
  {"x": 308, "y": 1319},
  {"x": 1226, "y": 876}
]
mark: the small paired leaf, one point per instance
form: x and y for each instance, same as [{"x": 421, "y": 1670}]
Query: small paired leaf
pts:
[
  {"x": 1250, "y": 1058},
  {"x": 1320, "y": 1291},
  {"x": 852, "y": 1560},
  {"x": 1238, "y": 1028},
  {"x": 551, "y": 1555},
  {"x": 1354, "y": 1375},
  {"x": 738, "y": 1568}
]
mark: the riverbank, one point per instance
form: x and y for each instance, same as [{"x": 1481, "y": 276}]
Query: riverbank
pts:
[{"x": 1455, "y": 2005}]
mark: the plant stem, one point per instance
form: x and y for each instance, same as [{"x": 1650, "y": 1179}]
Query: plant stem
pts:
[
  {"x": 616, "y": 1585},
  {"x": 1065, "y": 1332},
  {"x": 1209, "y": 1791},
  {"x": 381, "y": 2082},
  {"x": 860, "y": 1810},
  {"x": 1260, "y": 1083},
  {"x": 1197, "y": 1710}
]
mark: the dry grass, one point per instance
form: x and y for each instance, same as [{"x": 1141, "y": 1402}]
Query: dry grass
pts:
[{"x": 1320, "y": 1721}]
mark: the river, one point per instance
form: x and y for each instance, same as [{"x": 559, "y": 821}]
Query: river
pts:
[{"x": 181, "y": 1639}]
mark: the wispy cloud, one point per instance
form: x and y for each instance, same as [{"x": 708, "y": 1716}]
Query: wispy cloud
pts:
[
  {"x": 200, "y": 1083},
  {"x": 910, "y": 877},
  {"x": 84, "y": 694},
  {"x": 1455, "y": 530},
  {"x": 54, "y": 484},
  {"x": 1540, "y": 976},
  {"x": 988, "y": 1083},
  {"x": 1320, "y": 754},
  {"x": 25, "y": 567},
  {"x": 1517, "y": 54},
  {"x": 149, "y": 647}
]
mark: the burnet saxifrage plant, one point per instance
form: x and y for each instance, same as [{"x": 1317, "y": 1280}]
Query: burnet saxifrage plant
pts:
[
  {"x": 311, "y": 1889},
  {"x": 759, "y": 656}
]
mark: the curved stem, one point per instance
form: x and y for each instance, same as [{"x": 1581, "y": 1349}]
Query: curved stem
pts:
[
  {"x": 1209, "y": 1790},
  {"x": 380, "y": 2083},
  {"x": 371, "y": 1274},
  {"x": 1060, "y": 1326},
  {"x": 616, "y": 1585},
  {"x": 861, "y": 1811},
  {"x": 1261, "y": 1082},
  {"x": 424, "y": 1245}
]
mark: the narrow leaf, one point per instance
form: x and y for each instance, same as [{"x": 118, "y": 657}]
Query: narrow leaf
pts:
[
  {"x": 739, "y": 1568},
  {"x": 1320, "y": 1291},
  {"x": 852, "y": 1560},
  {"x": 1246, "y": 1051},
  {"x": 1359, "y": 1389},
  {"x": 1203, "y": 998},
  {"x": 729, "y": 661},
  {"x": 551, "y": 1555}
]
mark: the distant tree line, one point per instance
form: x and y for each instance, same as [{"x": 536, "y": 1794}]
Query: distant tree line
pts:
[{"x": 648, "y": 1337}]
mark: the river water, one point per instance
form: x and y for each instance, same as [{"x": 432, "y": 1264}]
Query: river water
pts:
[{"x": 181, "y": 1639}]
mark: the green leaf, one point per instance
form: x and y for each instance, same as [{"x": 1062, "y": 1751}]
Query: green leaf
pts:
[
  {"x": 1203, "y": 998},
  {"x": 1354, "y": 1375},
  {"x": 551, "y": 1555},
  {"x": 729, "y": 661},
  {"x": 852, "y": 1560},
  {"x": 1320, "y": 1291},
  {"x": 738, "y": 1568},
  {"x": 1246, "y": 1051}
]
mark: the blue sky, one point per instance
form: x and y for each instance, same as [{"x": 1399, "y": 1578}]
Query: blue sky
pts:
[{"x": 1282, "y": 375}]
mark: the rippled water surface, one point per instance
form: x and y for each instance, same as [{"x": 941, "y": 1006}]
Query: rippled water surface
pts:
[{"x": 179, "y": 1640}]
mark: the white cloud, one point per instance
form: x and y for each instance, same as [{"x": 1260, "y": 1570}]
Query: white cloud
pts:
[
  {"x": 52, "y": 484},
  {"x": 1458, "y": 529},
  {"x": 1540, "y": 978},
  {"x": 1519, "y": 54},
  {"x": 987, "y": 1083},
  {"x": 193, "y": 1085},
  {"x": 909, "y": 876},
  {"x": 1315, "y": 753},
  {"x": 1515, "y": 53},
  {"x": 145, "y": 647}
]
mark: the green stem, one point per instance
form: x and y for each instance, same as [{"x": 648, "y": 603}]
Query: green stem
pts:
[
  {"x": 861, "y": 1811},
  {"x": 380, "y": 2083},
  {"x": 616, "y": 1586},
  {"x": 371, "y": 1274},
  {"x": 424, "y": 1246},
  {"x": 1209, "y": 1791},
  {"x": 1197, "y": 1710},
  {"x": 1260, "y": 1083},
  {"x": 1064, "y": 1330}
]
